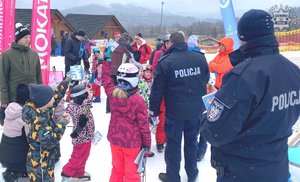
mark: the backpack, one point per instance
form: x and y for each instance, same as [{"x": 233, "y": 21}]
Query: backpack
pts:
[{"x": 137, "y": 54}]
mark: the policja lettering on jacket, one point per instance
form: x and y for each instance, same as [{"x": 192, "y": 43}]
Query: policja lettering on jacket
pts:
[
  {"x": 286, "y": 100},
  {"x": 187, "y": 72}
]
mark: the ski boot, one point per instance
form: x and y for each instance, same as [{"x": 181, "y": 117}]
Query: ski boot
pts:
[
  {"x": 11, "y": 176},
  {"x": 66, "y": 178}
]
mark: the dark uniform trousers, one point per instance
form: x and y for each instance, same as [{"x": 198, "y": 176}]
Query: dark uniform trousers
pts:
[{"x": 174, "y": 130}]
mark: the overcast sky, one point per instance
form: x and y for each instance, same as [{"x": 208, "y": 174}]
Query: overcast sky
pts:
[{"x": 183, "y": 7}]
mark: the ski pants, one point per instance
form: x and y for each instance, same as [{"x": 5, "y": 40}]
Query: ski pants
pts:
[
  {"x": 76, "y": 165},
  {"x": 124, "y": 169}
]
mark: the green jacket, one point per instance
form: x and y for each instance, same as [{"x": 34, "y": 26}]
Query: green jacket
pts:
[{"x": 19, "y": 64}]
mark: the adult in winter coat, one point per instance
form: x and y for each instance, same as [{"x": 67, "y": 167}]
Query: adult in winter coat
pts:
[
  {"x": 75, "y": 51},
  {"x": 53, "y": 45},
  {"x": 19, "y": 64},
  {"x": 221, "y": 63},
  {"x": 14, "y": 145},
  {"x": 142, "y": 50},
  {"x": 64, "y": 39},
  {"x": 121, "y": 54},
  {"x": 129, "y": 127},
  {"x": 159, "y": 54},
  {"x": 44, "y": 134},
  {"x": 251, "y": 117},
  {"x": 180, "y": 79}
]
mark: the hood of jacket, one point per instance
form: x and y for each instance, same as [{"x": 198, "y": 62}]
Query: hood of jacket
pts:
[
  {"x": 13, "y": 111},
  {"x": 19, "y": 47},
  {"x": 228, "y": 43}
]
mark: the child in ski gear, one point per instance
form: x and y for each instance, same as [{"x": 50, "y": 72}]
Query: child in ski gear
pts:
[
  {"x": 14, "y": 145},
  {"x": 145, "y": 83},
  {"x": 96, "y": 74},
  {"x": 59, "y": 110},
  {"x": 83, "y": 132},
  {"x": 129, "y": 127},
  {"x": 144, "y": 89},
  {"x": 44, "y": 134}
]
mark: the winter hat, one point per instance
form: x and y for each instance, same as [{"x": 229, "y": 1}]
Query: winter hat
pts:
[
  {"x": 78, "y": 90},
  {"x": 81, "y": 33},
  {"x": 117, "y": 35},
  {"x": 166, "y": 38},
  {"x": 78, "y": 93},
  {"x": 96, "y": 49},
  {"x": 254, "y": 24},
  {"x": 138, "y": 36},
  {"x": 40, "y": 95},
  {"x": 192, "y": 41},
  {"x": 147, "y": 67},
  {"x": 21, "y": 31},
  {"x": 22, "y": 93}
]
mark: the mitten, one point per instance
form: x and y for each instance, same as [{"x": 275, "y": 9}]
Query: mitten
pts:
[
  {"x": 74, "y": 134},
  {"x": 82, "y": 120}
]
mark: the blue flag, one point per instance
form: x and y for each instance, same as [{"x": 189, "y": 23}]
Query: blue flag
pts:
[{"x": 229, "y": 21}]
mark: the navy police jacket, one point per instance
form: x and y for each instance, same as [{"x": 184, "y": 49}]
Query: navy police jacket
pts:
[
  {"x": 180, "y": 78},
  {"x": 250, "y": 119}
]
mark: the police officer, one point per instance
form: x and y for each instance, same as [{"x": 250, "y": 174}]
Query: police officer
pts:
[
  {"x": 250, "y": 119},
  {"x": 180, "y": 78}
]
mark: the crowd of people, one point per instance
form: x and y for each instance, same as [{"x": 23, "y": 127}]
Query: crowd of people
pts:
[{"x": 256, "y": 102}]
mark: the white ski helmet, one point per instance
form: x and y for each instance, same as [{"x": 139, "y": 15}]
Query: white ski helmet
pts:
[{"x": 128, "y": 72}]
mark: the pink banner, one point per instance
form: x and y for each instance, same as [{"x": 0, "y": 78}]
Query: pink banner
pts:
[
  {"x": 41, "y": 34},
  {"x": 1, "y": 25},
  {"x": 7, "y": 23}
]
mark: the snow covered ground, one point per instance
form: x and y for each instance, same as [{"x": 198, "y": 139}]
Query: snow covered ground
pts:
[{"x": 99, "y": 163}]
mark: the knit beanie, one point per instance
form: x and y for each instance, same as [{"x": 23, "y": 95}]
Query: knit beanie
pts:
[
  {"x": 138, "y": 36},
  {"x": 78, "y": 90},
  {"x": 22, "y": 93},
  {"x": 117, "y": 35},
  {"x": 81, "y": 33},
  {"x": 40, "y": 95},
  {"x": 21, "y": 31},
  {"x": 78, "y": 93},
  {"x": 254, "y": 24}
]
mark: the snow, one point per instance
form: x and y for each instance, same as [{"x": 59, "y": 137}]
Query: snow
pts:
[{"x": 99, "y": 162}]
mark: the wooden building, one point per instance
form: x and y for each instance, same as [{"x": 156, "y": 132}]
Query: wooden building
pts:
[
  {"x": 58, "y": 21},
  {"x": 210, "y": 45},
  {"x": 96, "y": 26}
]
